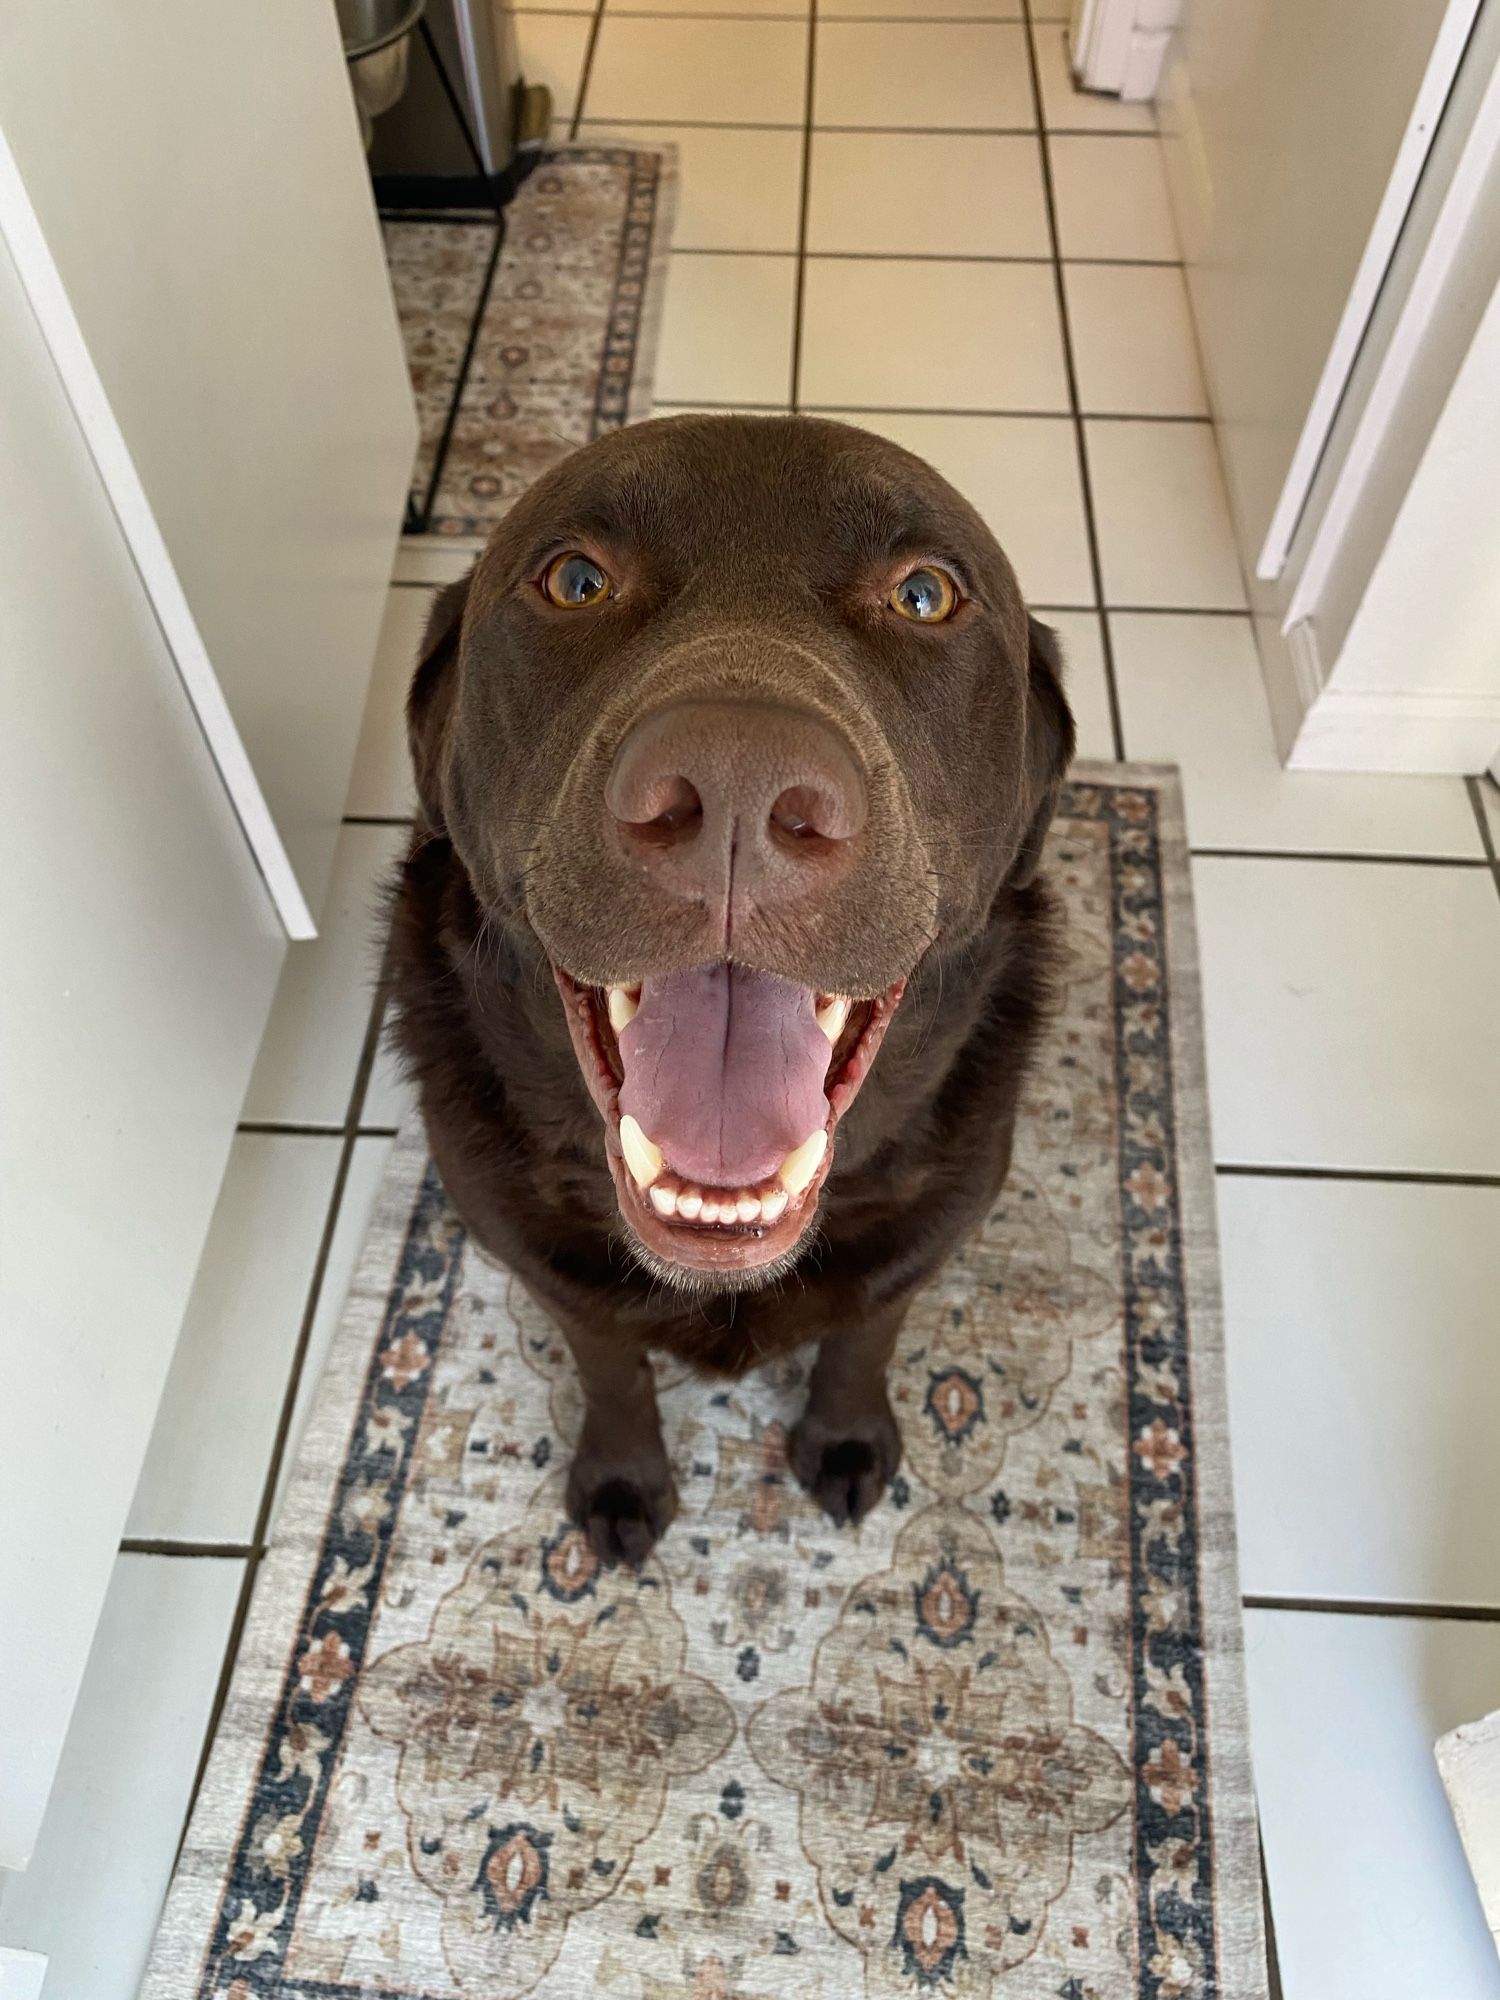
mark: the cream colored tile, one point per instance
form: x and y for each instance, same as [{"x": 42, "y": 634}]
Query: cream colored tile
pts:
[
  {"x": 1380, "y": 1302},
  {"x": 381, "y": 784},
  {"x": 1165, "y": 538},
  {"x": 1351, "y": 1014},
  {"x": 930, "y": 335},
  {"x": 925, "y": 194},
  {"x": 727, "y": 72},
  {"x": 1191, "y": 694},
  {"x": 919, "y": 10},
  {"x": 1489, "y": 805},
  {"x": 1371, "y": 1894},
  {"x": 1051, "y": 10},
  {"x": 306, "y": 1067},
  {"x": 367, "y": 1164},
  {"x": 1133, "y": 343},
  {"x": 721, "y": 410},
  {"x": 1084, "y": 679},
  {"x": 770, "y": 9},
  {"x": 1111, "y": 198},
  {"x": 91, "y": 1896},
  {"x": 1022, "y": 475},
  {"x": 552, "y": 50},
  {"x": 726, "y": 333},
  {"x": 1065, "y": 107},
  {"x": 206, "y": 1466},
  {"x": 736, "y": 190},
  {"x": 923, "y": 75}
]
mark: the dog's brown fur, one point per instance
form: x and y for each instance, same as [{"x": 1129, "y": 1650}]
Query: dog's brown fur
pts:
[{"x": 749, "y": 547}]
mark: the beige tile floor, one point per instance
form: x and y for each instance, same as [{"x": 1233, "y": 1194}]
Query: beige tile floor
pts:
[{"x": 901, "y": 163}]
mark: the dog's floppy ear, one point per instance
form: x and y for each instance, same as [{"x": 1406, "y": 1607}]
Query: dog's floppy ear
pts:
[
  {"x": 1049, "y": 747},
  {"x": 429, "y": 704}
]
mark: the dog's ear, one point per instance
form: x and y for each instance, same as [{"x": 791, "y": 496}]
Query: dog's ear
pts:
[
  {"x": 429, "y": 704},
  {"x": 1049, "y": 747}
]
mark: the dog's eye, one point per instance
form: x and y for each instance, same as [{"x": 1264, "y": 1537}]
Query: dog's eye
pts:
[
  {"x": 927, "y": 594},
  {"x": 574, "y": 580}
]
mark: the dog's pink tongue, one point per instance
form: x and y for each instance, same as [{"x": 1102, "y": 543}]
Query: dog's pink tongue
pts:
[{"x": 724, "y": 1069}]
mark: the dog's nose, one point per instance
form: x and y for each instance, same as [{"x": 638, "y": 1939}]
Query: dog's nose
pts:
[{"x": 716, "y": 797}]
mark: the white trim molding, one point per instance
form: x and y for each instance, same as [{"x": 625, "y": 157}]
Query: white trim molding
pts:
[
  {"x": 1120, "y": 46},
  {"x": 21, "y": 1974},
  {"x": 1323, "y": 727}
]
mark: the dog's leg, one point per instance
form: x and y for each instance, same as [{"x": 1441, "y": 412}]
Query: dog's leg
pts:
[
  {"x": 620, "y": 1486},
  {"x": 846, "y": 1447}
]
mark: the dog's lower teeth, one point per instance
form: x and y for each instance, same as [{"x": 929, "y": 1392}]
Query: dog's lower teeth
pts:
[
  {"x": 644, "y": 1159},
  {"x": 672, "y": 1200},
  {"x": 799, "y": 1166}
]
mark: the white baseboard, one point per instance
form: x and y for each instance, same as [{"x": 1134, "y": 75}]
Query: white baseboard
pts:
[
  {"x": 1469, "y": 1762},
  {"x": 1323, "y": 728},
  {"x": 21, "y": 1974}
]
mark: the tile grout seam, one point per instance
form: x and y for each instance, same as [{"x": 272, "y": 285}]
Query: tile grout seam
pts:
[
  {"x": 804, "y": 203},
  {"x": 350, "y": 1133},
  {"x": 1080, "y": 441}
]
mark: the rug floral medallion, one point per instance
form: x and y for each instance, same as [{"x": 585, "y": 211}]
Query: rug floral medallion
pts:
[{"x": 989, "y": 1746}]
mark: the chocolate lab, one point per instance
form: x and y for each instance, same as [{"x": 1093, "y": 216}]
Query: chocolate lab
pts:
[{"x": 719, "y": 951}]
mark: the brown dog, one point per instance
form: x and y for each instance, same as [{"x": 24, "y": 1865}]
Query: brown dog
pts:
[{"x": 735, "y": 755}]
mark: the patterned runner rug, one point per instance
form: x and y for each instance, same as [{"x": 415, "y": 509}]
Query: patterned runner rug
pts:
[
  {"x": 554, "y": 341},
  {"x": 991, "y": 1745}
]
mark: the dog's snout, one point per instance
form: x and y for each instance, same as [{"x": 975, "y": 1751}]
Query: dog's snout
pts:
[{"x": 715, "y": 796}]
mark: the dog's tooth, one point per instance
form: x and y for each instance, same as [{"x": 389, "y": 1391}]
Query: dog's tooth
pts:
[
  {"x": 773, "y": 1205},
  {"x": 832, "y": 1015},
  {"x": 664, "y": 1200},
  {"x": 799, "y": 1166},
  {"x": 709, "y": 1211},
  {"x": 643, "y": 1159},
  {"x": 689, "y": 1204},
  {"x": 747, "y": 1208},
  {"x": 623, "y": 1007}
]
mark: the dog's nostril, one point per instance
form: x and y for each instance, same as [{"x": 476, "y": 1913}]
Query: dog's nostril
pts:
[
  {"x": 665, "y": 809},
  {"x": 798, "y": 813},
  {"x": 810, "y": 813}
]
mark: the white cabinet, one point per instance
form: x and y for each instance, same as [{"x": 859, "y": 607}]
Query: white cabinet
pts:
[
  {"x": 205, "y": 438},
  {"x": 198, "y": 188}
]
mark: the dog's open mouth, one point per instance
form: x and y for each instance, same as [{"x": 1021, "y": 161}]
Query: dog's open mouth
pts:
[{"x": 721, "y": 1089}]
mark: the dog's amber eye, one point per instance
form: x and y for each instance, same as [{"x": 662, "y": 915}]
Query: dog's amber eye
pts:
[
  {"x": 927, "y": 594},
  {"x": 574, "y": 580}
]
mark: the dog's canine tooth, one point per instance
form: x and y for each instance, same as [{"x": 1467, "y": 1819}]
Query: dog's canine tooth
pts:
[
  {"x": 664, "y": 1200},
  {"x": 689, "y": 1204},
  {"x": 799, "y": 1166},
  {"x": 623, "y": 1006},
  {"x": 747, "y": 1208},
  {"x": 773, "y": 1205},
  {"x": 641, "y": 1156},
  {"x": 832, "y": 1015}
]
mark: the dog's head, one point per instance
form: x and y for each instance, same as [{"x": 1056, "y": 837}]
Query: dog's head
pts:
[{"x": 741, "y": 717}]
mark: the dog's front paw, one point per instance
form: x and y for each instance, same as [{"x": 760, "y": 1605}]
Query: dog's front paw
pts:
[
  {"x": 846, "y": 1466},
  {"x": 624, "y": 1510}
]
